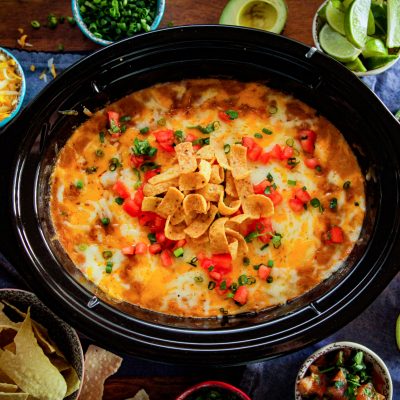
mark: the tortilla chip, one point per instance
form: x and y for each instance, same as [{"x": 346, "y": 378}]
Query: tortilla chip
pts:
[
  {"x": 30, "y": 368},
  {"x": 211, "y": 192},
  {"x": 170, "y": 203},
  {"x": 217, "y": 174},
  {"x": 194, "y": 203},
  {"x": 200, "y": 225},
  {"x": 233, "y": 248},
  {"x": 186, "y": 158},
  {"x": 230, "y": 187},
  {"x": 230, "y": 208},
  {"x": 230, "y": 233},
  {"x": 5, "y": 322},
  {"x": 218, "y": 145},
  {"x": 172, "y": 172},
  {"x": 13, "y": 396},
  {"x": 178, "y": 216},
  {"x": 151, "y": 203},
  {"x": 72, "y": 380},
  {"x": 206, "y": 153},
  {"x": 8, "y": 388},
  {"x": 196, "y": 180},
  {"x": 200, "y": 240},
  {"x": 99, "y": 365},
  {"x": 258, "y": 205},
  {"x": 174, "y": 232},
  {"x": 218, "y": 241},
  {"x": 140, "y": 395},
  {"x": 244, "y": 188},
  {"x": 159, "y": 188},
  {"x": 238, "y": 161}
]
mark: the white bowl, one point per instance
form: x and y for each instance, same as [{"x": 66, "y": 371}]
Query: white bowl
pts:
[
  {"x": 316, "y": 27},
  {"x": 371, "y": 357}
]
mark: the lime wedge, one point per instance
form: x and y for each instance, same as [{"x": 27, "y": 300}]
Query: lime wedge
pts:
[
  {"x": 322, "y": 12},
  {"x": 379, "y": 61},
  {"x": 356, "y": 66},
  {"x": 335, "y": 18},
  {"x": 346, "y": 3},
  {"x": 393, "y": 23},
  {"x": 398, "y": 332},
  {"x": 337, "y": 45},
  {"x": 371, "y": 23},
  {"x": 356, "y": 22},
  {"x": 374, "y": 47}
]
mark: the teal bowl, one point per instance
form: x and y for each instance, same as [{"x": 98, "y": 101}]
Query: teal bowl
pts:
[
  {"x": 83, "y": 27},
  {"x": 22, "y": 90}
]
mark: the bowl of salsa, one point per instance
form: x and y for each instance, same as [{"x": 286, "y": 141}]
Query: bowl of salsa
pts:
[{"x": 213, "y": 390}]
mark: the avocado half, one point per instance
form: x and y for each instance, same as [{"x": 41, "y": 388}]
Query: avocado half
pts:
[{"x": 269, "y": 15}]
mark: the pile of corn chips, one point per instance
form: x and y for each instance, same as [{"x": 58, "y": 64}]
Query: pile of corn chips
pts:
[{"x": 31, "y": 364}]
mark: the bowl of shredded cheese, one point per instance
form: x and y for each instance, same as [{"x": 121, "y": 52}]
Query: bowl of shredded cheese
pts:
[{"x": 12, "y": 87}]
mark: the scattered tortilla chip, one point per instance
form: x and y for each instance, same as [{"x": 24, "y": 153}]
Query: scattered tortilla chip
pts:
[
  {"x": 5, "y": 322},
  {"x": 217, "y": 174},
  {"x": 170, "y": 202},
  {"x": 233, "y": 248},
  {"x": 159, "y": 188},
  {"x": 99, "y": 365},
  {"x": 170, "y": 173},
  {"x": 244, "y": 188},
  {"x": 230, "y": 208},
  {"x": 178, "y": 216},
  {"x": 238, "y": 161},
  {"x": 218, "y": 241},
  {"x": 151, "y": 203},
  {"x": 206, "y": 153},
  {"x": 258, "y": 205},
  {"x": 218, "y": 145},
  {"x": 196, "y": 180},
  {"x": 200, "y": 225},
  {"x": 30, "y": 368},
  {"x": 7, "y": 388},
  {"x": 174, "y": 232},
  {"x": 211, "y": 192},
  {"x": 230, "y": 187},
  {"x": 186, "y": 158},
  {"x": 230, "y": 233},
  {"x": 140, "y": 395},
  {"x": 194, "y": 203}
]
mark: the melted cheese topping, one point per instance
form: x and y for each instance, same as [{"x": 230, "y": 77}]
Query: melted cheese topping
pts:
[{"x": 302, "y": 260}]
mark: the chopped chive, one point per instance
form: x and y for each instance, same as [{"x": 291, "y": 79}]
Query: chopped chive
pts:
[
  {"x": 107, "y": 254},
  {"x": 144, "y": 130},
  {"x": 119, "y": 200},
  {"x": 346, "y": 185},
  {"x": 79, "y": 184},
  {"x": 152, "y": 238},
  {"x": 178, "y": 252},
  {"x": 267, "y": 131},
  {"x": 270, "y": 263},
  {"x": 211, "y": 285},
  {"x": 198, "y": 279},
  {"x": 291, "y": 183},
  {"x": 246, "y": 261},
  {"x": 105, "y": 221},
  {"x": 227, "y": 148}
]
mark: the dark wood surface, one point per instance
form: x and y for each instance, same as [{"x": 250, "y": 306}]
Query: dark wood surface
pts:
[{"x": 16, "y": 14}]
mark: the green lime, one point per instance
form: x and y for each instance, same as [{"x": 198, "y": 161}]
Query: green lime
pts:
[
  {"x": 379, "y": 61},
  {"x": 335, "y": 18},
  {"x": 356, "y": 22},
  {"x": 374, "y": 47},
  {"x": 371, "y": 23},
  {"x": 356, "y": 66},
  {"x": 393, "y": 23},
  {"x": 398, "y": 332},
  {"x": 322, "y": 12},
  {"x": 346, "y": 4},
  {"x": 337, "y": 45}
]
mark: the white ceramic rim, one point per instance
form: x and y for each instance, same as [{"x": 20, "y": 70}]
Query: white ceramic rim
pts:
[
  {"x": 377, "y": 361},
  {"x": 317, "y": 45}
]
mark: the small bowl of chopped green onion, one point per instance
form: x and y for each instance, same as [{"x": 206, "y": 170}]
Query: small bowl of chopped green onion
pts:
[
  {"x": 363, "y": 35},
  {"x": 107, "y": 21},
  {"x": 344, "y": 370}
]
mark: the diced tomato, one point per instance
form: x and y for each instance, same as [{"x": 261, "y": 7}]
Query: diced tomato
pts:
[
  {"x": 264, "y": 272},
  {"x": 336, "y": 234},
  {"x": 179, "y": 243},
  {"x": 215, "y": 275},
  {"x": 121, "y": 189},
  {"x": 166, "y": 147},
  {"x": 254, "y": 152},
  {"x": 157, "y": 224},
  {"x": 201, "y": 256},
  {"x": 155, "y": 248},
  {"x": 149, "y": 174},
  {"x": 222, "y": 262},
  {"x": 228, "y": 282},
  {"x": 260, "y": 187},
  {"x": 302, "y": 195},
  {"x": 190, "y": 138},
  {"x": 164, "y": 135},
  {"x": 262, "y": 226},
  {"x": 114, "y": 117},
  {"x": 166, "y": 258},
  {"x": 222, "y": 115},
  {"x": 287, "y": 152},
  {"x": 146, "y": 217},
  {"x": 241, "y": 295},
  {"x": 296, "y": 205},
  {"x": 248, "y": 142},
  {"x": 138, "y": 197},
  {"x": 276, "y": 152},
  {"x": 131, "y": 208},
  {"x": 141, "y": 248},
  {"x": 128, "y": 250},
  {"x": 137, "y": 161},
  {"x": 307, "y": 139},
  {"x": 264, "y": 158},
  {"x": 311, "y": 163},
  {"x": 275, "y": 196},
  {"x": 196, "y": 147},
  {"x": 206, "y": 263},
  {"x": 160, "y": 237}
]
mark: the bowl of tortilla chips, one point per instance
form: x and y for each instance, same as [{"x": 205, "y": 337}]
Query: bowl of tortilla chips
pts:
[{"x": 40, "y": 355}]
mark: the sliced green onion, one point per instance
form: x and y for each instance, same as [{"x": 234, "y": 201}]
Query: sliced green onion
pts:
[
  {"x": 290, "y": 142},
  {"x": 227, "y": 148},
  {"x": 270, "y": 263},
  {"x": 257, "y": 267},
  {"x": 99, "y": 153},
  {"x": 346, "y": 185},
  {"x": 125, "y": 118},
  {"x": 79, "y": 184},
  {"x": 211, "y": 268},
  {"x": 232, "y": 114},
  {"x": 234, "y": 287},
  {"x": 251, "y": 280},
  {"x": 333, "y": 203},
  {"x": 180, "y": 136},
  {"x": 101, "y": 137},
  {"x": 230, "y": 295},
  {"x": 266, "y": 131},
  {"x": 109, "y": 267},
  {"x": 270, "y": 177},
  {"x": 292, "y": 183},
  {"x": 152, "y": 237},
  {"x": 318, "y": 168},
  {"x": 193, "y": 262},
  {"x": 264, "y": 246},
  {"x": 178, "y": 252},
  {"x": 107, "y": 254},
  {"x": 119, "y": 200},
  {"x": 105, "y": 221},
  {"x": 246, "y": 261},
  {"x": 144, "y": 130},
  {"x": 315, "y": 202},
  {"x": 222, "y": 286},
  {"x": 276, "y": 240},
  {"x": 198, "y": 279},
  {"x": 242, "y": 280},
  {"x": 258, "y": 135},
  {"x": 211, "y": 285}
]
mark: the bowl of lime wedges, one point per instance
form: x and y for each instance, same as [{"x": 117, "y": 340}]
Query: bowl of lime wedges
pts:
[{"x": 364, "y": 35}]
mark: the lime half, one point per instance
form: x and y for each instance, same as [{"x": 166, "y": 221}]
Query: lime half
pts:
[
  {"x": 393, "y": 23},
  {"x": 335, "y": 18},
  {"x": 374, "y": 47},
  {"x": 337, "y": 45},
  {"x": 356, "y": 66},
  {"x": 398, "y": 332},
  {"x": 379, "y": 61},
  {"x": 356, "y": 22}
]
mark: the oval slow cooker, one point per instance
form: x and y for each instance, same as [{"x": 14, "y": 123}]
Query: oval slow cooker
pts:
[{"x": 30, "y": 145}]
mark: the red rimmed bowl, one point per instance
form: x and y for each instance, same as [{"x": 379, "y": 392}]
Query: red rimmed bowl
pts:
[{"x": 227, "y": 391}]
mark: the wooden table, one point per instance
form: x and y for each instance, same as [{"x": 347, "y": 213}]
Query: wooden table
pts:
[{"x": 16, "y": 14}]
